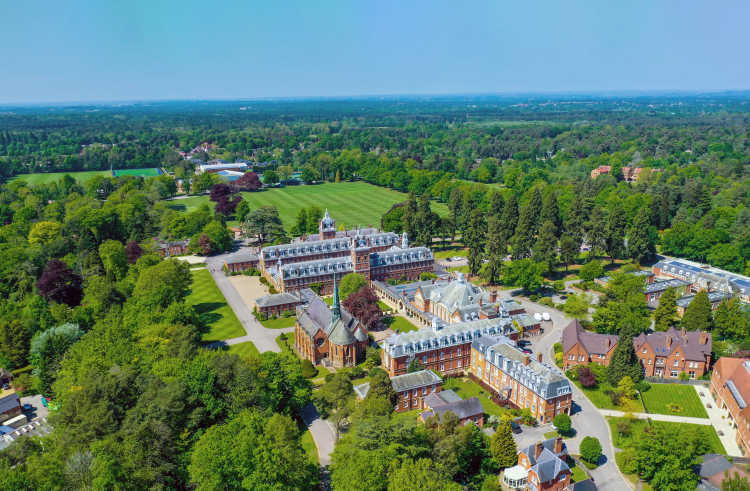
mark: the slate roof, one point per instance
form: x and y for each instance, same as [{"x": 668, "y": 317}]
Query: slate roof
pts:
[
  {"x": 702, "y": 274},
  {"x": 713, "y": 464},
  {"x": 592, "y": 342},
  {"x": 340, "y": 243},
  {"x": 585, "y": 485},
  {"x": 396, "y": 255},
  {"x": 415, "y": 380},
  {"x": 543, "y": 379},
  {"x": 241, "y": 257},
  {"x": 659, "y": 286},
  {"x": 277, "y": 299},
  {"x": 465, "y": 408},
  {"x": 338, "y": 265},
  {"x": 9, "y": 402},
  {"x": 689, "y": 343},
  {"x": 435, "y": 399},
  {"x": 316, "y": 315},
  {"x": 548, "y": 465},
  {"x": 713, "y": 297}
]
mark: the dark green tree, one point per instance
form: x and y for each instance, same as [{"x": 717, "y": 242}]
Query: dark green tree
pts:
[
  {"x": 415, "y": 366},
  {"x": 568, "y": 250},
  {"x": 731, "y": 321},
  {"x": 496, "y": 249},
  {"x": 545, "y": 249},
  {"x": 503, "y": 447},
  {"x": 509, "y": 219},
  {"x": 591, "y": 449},
  {"x": 474, "y": 239},
  {"x": 697, "y": 315},
  {"x": 497, "y": 205},
  {"x": 528, "y": 225},
  {"x": 614, "y": 243},
  {"x": 409, "y": 219},
  {"x": 665, "y": 315},
  {"x": 624, "y": 361},
  {"x": 641, "y": 237},
  {"x": 551, "y": 212}
]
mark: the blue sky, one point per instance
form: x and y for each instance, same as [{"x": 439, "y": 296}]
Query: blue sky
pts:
[{"x": 160, "y": 49}]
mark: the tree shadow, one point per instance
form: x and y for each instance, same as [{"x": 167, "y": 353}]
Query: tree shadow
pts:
[{"x": 177, "y": 207}]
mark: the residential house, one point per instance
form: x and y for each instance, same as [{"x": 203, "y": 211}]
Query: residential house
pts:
[
  {"x": 412, "y": 389},
  {"x": 730, "y": 388},
  {"x": 705, "y": 277},
  {"x": 541, "y": 467},
  {"x": 515, "y": 377},
  {"x": 581, "y": 347},
  {"x": 714, "y": 298},
  {"x": 601, "y": 170},
  {"x": 715, "y": 468},
  {"x": 172, "y": 248},
  {"x": 10, "y": 404}
]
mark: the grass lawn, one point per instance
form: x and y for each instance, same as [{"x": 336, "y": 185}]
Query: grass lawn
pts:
[
  {"x": 708, "y": 433},
  {"x": 451, "y": 251},
  {"x": 308, "y": 444},
  {"x": 676, "y": 399},
  {"x": 460, "y": 269},
  {"x": 400, "y": 324},
  {"x": 467, "y": 388},
  {"x": 279, "y": 323},
  {"x": 244, "y": 350},
  {"x": 49, "y": 177},
  {"x": 384, "y": 306},
  {"x": 601, "y": 400},
  {"x": 210, "y": 304},
  {"x": 328, "y": 300},
  {"x": 577, "y": 474},
  {"x": 349, "y": 203},
  {"x": 149, "y": 172},
  {"x": 407, "y": 415}
]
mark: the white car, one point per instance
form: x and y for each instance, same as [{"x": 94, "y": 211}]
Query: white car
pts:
[
  {"x": 546, "y": 316},
  {"x": 537, "y": 316}
]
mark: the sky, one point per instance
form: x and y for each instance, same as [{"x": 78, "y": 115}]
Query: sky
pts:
[{"x": 112, "y": 50}]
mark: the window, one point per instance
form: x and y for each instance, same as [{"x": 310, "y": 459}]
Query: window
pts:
[
  {"x": 649, "y": 362},
  {"x": 416, "y": 392},
  {"x": 442, "y": 367},
  {"x": 406, "y": 403},
  {"x": 459, "y": 363},
  {"x": 673, "y": 374},
  {"x": 442, "y": 355},
  {"x": 644, "y": 351},
  {"x": 424, "y": 359},
  {"x": 414, "y": 403},
  {"x": 677, "y": 363},
  {"x": 571, "y": 357},
  {"x": 692, "y": 374},
  {"x": 580, "y": 358}
]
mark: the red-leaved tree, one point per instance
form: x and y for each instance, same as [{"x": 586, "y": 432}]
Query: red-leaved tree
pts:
[
  {"x": 363, "y": 305},
  {"x": 248, "y": 182},
  {"x": 586, "y": 377},
  {"x": 133, "y": 251},
  {"x": 58, "y": 283}
]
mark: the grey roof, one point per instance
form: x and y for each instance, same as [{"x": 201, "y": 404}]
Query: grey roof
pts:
[
  {"x": 593, "y": 342},
  {"x": 337, "y": 265},
  {"x": 340, "y": 243},
  {"x": 541, "y": 378},
  {"x": 658, "y": 286},
  {"x": 241, "y": 256},
  {"x": 713, "y": 464},
  {"x": 585, "y": 485},
  {"x": 435, "y": 399},
  {"x": 705, "y": 276},
  {"x": 362, "y": 390},
  {"x": 277, "y": 299},
  {"x": 414, "y": 380},
  {"x": 640, "y": 272},
  {"x": 9, "y": 402},
  {"x": 548, "y": 444},
  {"x": 465, "y": 408},
  {"x": 396, "y": 255},
  {"x": 549, "y": 466},
  {"x": 713, "y": 297},
  {"x": 316, "y": 315},
  {"x": 689, "y": 343},
  {"x": 458, "y": 333}
]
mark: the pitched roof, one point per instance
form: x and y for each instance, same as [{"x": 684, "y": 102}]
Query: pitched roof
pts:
[
  {"x": 340, "y": 334},
  {"x": 465, "y": 408},
  {"x": 688, "y": 341},
  {"x": 735, "y": 375},
  {"x": 9, "y": 402},
  {"x": 713, "y": 464},
  {"x": 592, "y": 342},
  {"x": 277, "y": 299},
  {"x": 316, "y": 315},
  {"x": 414, "y": 380}
]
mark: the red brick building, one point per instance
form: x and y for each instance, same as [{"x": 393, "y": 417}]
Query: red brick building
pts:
[
  {"x": 443, "y": 349},
  {"x": 730, "y": 388},
  {"x": 516, "y": 378},
  {"x": 241, "y": 261},
  {"x": 276, "y": 304},
  {"x": 662, "y": 354},
  {"x": 329, "y": 336},
  {"x": 466, "y": 410},
  {"x": 541, "y": 466},
  {"x": 172, "y": 248},
  {"x": 412, "y": 389}
]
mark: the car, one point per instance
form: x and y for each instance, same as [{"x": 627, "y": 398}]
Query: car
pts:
[
  {"x": 6, "y": 386},
  {"x": 546, "y": 316},
  {"x": 537, "y": 316},
  {"x": 523, "y": 342},
  {"x": 527, "y": 351},
  {"x": 447, "y": 259},
  {"x": 28, "y": 407},
  {"x": 515, "y": 427},
  {"x": 458, "y": 258}
]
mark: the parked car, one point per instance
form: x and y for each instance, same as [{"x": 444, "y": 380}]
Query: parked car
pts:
[
  {"x": 546, "y": 316},
  {"x": 537, "y": 316},
  {"x": 527, "y": 351},
  {"x": 27, "y": 407},
  {"x": 523, "y": 342},
  {"x": 515, "y": 427}
]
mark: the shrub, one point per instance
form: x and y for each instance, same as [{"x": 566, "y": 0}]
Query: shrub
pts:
[
  {"x": 572, "y": 374},
  {"x": 263, "y": 316},
  {"x": 534, "y": 297},
  {"x": 426, "y": 275},
  {"x": 356, "y": 372},
  {"x": 272, "y": 290},
  {"x": 559, "y": 359},
  {"x": 643, "y": 386},
  {"x": 558, "y": 285},
  {"x": 684, "y": 376},
  {"x": 586, "y": 377},
  {"x": 591, "y": 270},
  {"x": 599, "y": 370},
  {"x": 591, "y": 449},
  {"x": 562, "y": 423},
  {"x": 329, "y": 377},
  {"x": 287, "y": 313},
  {"x": 546, "y": 301},
  {"x": 263, "y": 280},
  {"x": 308, "y": 369},
  {"x": 557, "y": 347}
]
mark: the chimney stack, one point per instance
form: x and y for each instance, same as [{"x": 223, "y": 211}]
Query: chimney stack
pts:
[
  {"x": 493, "y": 296},
  {"x": 704, "y": 337},
  {"x": 539, "y": 357},
  {"x": 538, "y": 447},
  {"x": 669, "y": 341},
  {"x": 558, "y": 445},
  {"x": 526, "y": 360}
]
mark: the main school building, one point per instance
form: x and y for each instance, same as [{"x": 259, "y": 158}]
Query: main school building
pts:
[{"x": 373, "y": 254}]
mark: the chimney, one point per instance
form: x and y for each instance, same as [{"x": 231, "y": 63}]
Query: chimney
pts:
[
  {"x": 704, "y": 337},
  {"x": 538, "y": 447},
  {"x": 609, "y": 342},
  {"x": 539, "y": 357},
  {"x": 526, "y": 360},
  {"x": 684, "y": 333},
  {"x": 493, "y": 296},
  {"x": 480, "y": 301},
  {"x": 669, "y": 341},
  {"x": 558, "y": 445},
  {"x": 433, "y": 282}
]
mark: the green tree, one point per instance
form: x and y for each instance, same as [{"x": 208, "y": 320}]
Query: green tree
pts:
[
  {"x": 624, "y": 362},
  {"x": 112, "y": 254},
  {"x": 614, "y": 242},
  {"x": 419, "y": 474},
  {"x": 626, "y": 388},
  {"x": 415, "y": 366},
  {"x": 545, "y": 249},
  {"x": 591, "y": 449},
  {"x": 551, "y": 212},
  {"x": 14, "y": 342},
  {"x": 730, "y": 320},
  {"x": 243, "y": 209},
  {"x": 495, "y": 250},
  {"x": 524, "y": 273},
  {"x": 409, "y": 218},
  {"x": 698, "y": 313},
  {"x": 380, "y": 386},
  {"x": 351, "y": 283},
  {"x": 285, "y": 172},
  {"x": 735, "y": 482},
  {"x": 597, "y": 231},
  {"x": 562, "y": 423},
  {"x": 44, "y": 232},
  {"x": 426, "y": 221},
  {"x": 591, "y": 270},
  {"x": 665, "y": 315},
  {"x": 568, "y": 250},
  {"x": 474, "y": 239},
  {"x": 47, "y": 350},
  {"x": 264, "y": 224},
  {"x": 270, "y": 177},
  {"x": 509, "y": 220},
  {"x": 310, "y": 174},
  {"x": 300, "y": 224},
  {"x": 528, "y": 225},
  {"x": 162, "y": 284},
  {"x": 503, "y": 447},
  {"x": 642, "y": 237}
]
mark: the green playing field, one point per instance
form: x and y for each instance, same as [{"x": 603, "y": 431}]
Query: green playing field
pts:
[
  {"x": 48, "y": 177},
  {"x": 349, "y": 203}
]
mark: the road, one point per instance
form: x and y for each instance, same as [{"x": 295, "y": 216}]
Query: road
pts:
[
  {"x": 264, "y": 339},
  {"x": 586, "y": 418}
]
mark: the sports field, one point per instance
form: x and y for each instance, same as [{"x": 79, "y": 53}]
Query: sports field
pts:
[
  {"x": 149, "y": 172},
  {"x": 210, "y": 304},
  {"x": 349, "y": 203},
  {"x": 49, "y": 177}
]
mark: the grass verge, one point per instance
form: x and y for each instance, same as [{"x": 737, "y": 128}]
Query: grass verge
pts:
[{"x": 211, "y": 305}]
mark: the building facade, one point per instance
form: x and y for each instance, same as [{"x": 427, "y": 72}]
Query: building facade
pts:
[
  {"x": 241, "y": 261},
  {"x": 730, "y": 388},
  {"x": 332, "y": 336},
  {"x": 705, "y": 277},
  {"x": 466, "y": 410},
  {"x": 446, "y": 350},
  {"x": 515, "y": 377},
  {"x": 661, "y": 354},
  {"x": 279, "y": 303},
  {"x": 541, "y": 467},
  {"x": 411, "y": 388},
  {"x": 376, "y": 256},
  {"x": 172, "y": 248}
]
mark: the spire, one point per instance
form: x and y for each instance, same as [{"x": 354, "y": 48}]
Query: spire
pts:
[
  {"x": 336, "y": 304},
  {"x": 404, "y": 241}
]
